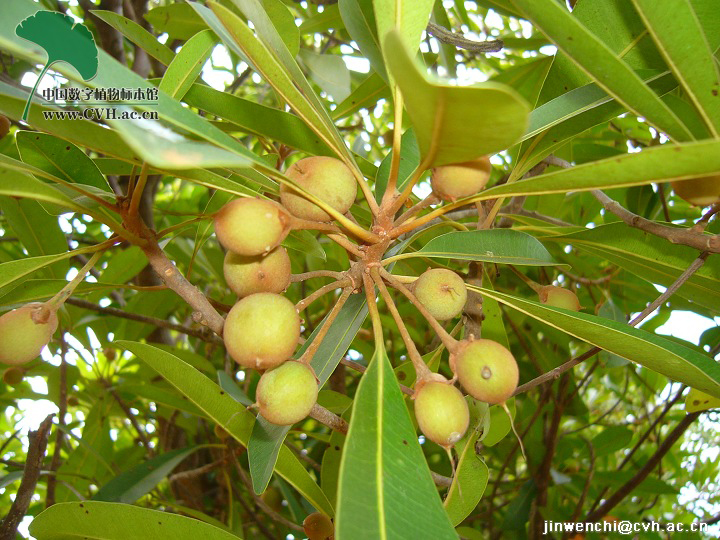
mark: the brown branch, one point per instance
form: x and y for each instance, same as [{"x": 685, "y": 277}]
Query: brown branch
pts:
[
  {"x": 331, "y": 420},
  {"x": 451, "y": 38},
  {"x": 35, "y": 455},
  {"x": 674, "y": 235},
  {"x": 131, "y": 417},
  {"x": 627, "y": 488},
  {"x": 202, "y": 334}
]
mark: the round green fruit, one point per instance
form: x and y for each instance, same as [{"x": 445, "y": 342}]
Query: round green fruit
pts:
[
  {"x": 702, "y": 191},
  {"x": 318, "y": 526},
  {"x": 486, "y": 370},
  {"x": 262, "y": 330},
  {"x": 13, "y": 375},
  {"x": 328, "y": 179},
  {"x": 442, "y": 412},
  {"x": 22, "y": 338},
  {"x": 248, "y": 275},
  {"x": 286, "y": 394},
  {"x": 251, "y": 226},
  {"x": 458, "y": 180},
  {"x": 442, "y": 292},
  {"x": 559, "y": 297}
]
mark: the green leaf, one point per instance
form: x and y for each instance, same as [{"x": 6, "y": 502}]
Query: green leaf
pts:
[
  {"x": 225, "y": 411},
  {"x": 37, "y": 230},
  {"x": 652, "y": 165},
  {"x": 91, "y": 519},
  {"x": 408, "y": 18},
  {"x": 13, "y": 271},
  {"x": 64, "y": 40},
  {"x": 167, "y": 149},
  {"x": 137, "y": 34},
  {"x": 383, "y": 462},
  {"x": 132, "y": 484},
  {"x": 365, "y": 96},
  {"x": 611, "y": 439},
  {"x": 186, "y": 66},
  {"x": 179, "y": 21},
  {"x": 659, "y": 354},
  {"x": 267, "y": 53},
  {"x": 329, "y": 72},
  {"x": 499, "y": 246},
  {"x": 602, "y": 64},
  {"x": 700, "y": 401},
  {"x": 17, "y": 184},
  {"x": 267, "y": 438},
  {"x": 60, "y": 158},
  {"x": 409, "y": 161},
  {"x": 471, "y": 473},
  {"x": 677, "y": 32},
  {"x": 651, "y": 258},
  {"x": 518, "y": 511},
  {"x": 455, "y": 124},
  {"x": 284, "y": 22},
  {"x": 359, "y": 19}
]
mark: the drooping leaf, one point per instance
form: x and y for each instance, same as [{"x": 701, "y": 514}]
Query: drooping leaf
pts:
[
  {"x": 383, "y": 461},
  {"x": 499, "y": 246},
  {"x": 64, "y": 40},
  {"x": 186, "y": 65},
  {"x": 455, "y": 124},
  {"x": 659, "y": 354}
]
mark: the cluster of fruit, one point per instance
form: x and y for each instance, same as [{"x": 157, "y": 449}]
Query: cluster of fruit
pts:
[{"x": 262, "y": 329}]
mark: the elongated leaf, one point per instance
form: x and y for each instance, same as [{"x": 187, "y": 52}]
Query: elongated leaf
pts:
[
  {"x": 132, "y": 484},
  {"x": 383, "y": 461},
  {"x": 471, "y": 473},
  {"x": 17, "y": 184},
  {"x": 659, "y": 354},
  {"x": 651, "y": 258},
  {"x": 257, "y": 119},
  {"x": 408, "y": 17},
  {"x": 167, "y": 149},
  {"x": 601, "y": 63},
  {"x": 270, "y": 57},
  {"x": 366, "y": 95},
  {"x": 699, "y": 401},
  {"x": 329, "y": 72},
  {"x": 37, "y": 230},
  {"x": 267, "y": 438},
  {"x": 500, "y": 246},
  {"x": 12, "y": 271},
  {"x": 186, "y": 66},
  {"x": 455, "y": 124},
  {"x": 359, "y": 19},
  {"x": 179, "y": 21},
  {"x": 137, "y": 34},
  {"x": 115, "y": 521},
  {"x": 59, "y": 158},
  {"x": 652, "y": 165},
  {"x": 224, "y": 410},
  {"x": 677, "y": 32}
]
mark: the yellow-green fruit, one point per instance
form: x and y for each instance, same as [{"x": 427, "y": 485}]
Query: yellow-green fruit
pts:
[
  {"x": 262, "y": 330},
  {"x": 559, "y": 297},
  {"x": 251, "y": 226},
  {"x": 13, "y": 375},
  {"x": 21, "y": 338},
  {"x": 486, "y": 369},
  {"x": 318, "y": 526},
  {"x": 442, "y": 292},
  {"x": 458, "y": 180},
  {"x": 702, "y": 191},
  {"x": 4, "y": 126},
  {"x": 329, "y": 179},
  {"x": 442, "y": 412},
  {"x": 248, "y": 275},
  {"x": 286, "y": 394}
]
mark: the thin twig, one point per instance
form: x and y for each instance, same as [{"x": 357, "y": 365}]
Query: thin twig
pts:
[
  {"x": 330, "y": 419},
  {"x": 675, "y": 235},
  {"x": 309, "y": 353},
  {"x": 35, "y": 455},
  {"x": 330, "y": 287},
  {"x": 451, "y": 38},
  {"x": 295, "y": 278}
]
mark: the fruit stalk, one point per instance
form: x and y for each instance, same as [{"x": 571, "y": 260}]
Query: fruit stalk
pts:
[{"x": 307, "y": 356}]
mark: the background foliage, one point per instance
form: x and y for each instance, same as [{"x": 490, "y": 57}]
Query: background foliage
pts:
[{"x": 623, "y": 98}]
